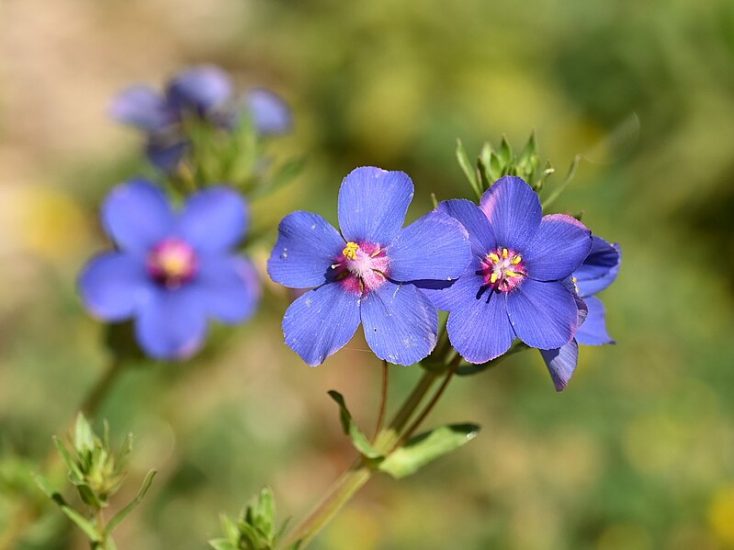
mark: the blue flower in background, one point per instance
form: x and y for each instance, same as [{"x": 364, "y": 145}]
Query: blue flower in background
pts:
[
  {"x": 599, "y": 270},
  {"x": 514, "y": 286},
  {"x": 172, "y": 270},
  {"x": 204, "y": 92},
  {"x": 367, "y": 273}
]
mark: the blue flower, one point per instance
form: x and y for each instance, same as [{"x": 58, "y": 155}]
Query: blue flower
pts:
[
  {"x": 368, "y": 273},
  {"x": 172, "y": 270},
  {"x": 203, "y": 92},
  {"x": 514, "y": 286},
  {"x": 597, "y": 272}
]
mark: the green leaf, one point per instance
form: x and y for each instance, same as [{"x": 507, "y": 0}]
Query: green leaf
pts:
[
  {"x": 468, "y": 168},
  {"x": 359, "y": 440},
  {"x": 122, "y": 514},
  {"x": 75, "y": 474},
  {"x": 505, "y": 152},
  {"x": 427, "y": 447},
  {"x": 83, "y": 434},
  {"x": 88, "y": 495},
  {"x": 264, "y": 513}
]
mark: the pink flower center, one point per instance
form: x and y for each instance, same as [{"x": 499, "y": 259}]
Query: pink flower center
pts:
[
  {"x": 361, "y": 267},
  {"x": 503, "y": 269},
  {"x": 172, "y": 263}
]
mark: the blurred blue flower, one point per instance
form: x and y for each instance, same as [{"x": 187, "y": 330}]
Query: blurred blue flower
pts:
[
  {"x": 205, "y": 92},
  {"x": 368, "y": 273},
  {"x": 514, "y": 286},
  {"x": 597, "y": 272},
  {"x": 172, "y": 270}
]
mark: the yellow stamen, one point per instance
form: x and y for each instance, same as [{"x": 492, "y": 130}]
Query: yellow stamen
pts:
[
  {"x": 505, "y": 253},
  {"x": 510, "y": 273},
  {"x": 350, "y": 251},
  {"x": 492, "y": 256},
  {"x": 493, "y": 278},
  {"x": 516, "y": 260}
]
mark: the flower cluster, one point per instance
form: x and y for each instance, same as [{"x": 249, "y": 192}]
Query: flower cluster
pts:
[
  {"x": 172, "y": 270},
  {"x": 202, "y": 93},
  {"x": 503, "y": 271}
]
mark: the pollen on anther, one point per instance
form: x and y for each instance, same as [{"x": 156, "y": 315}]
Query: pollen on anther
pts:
[
  {"x": 350, "y": 251},
  {"x": 516, "y": 260}
]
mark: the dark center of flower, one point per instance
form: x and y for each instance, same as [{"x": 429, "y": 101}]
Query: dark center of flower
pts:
[
  {"x": 361, "y": 267},
  {"x": 172, "y": 263},
  {"x": 503, "y": 269}
]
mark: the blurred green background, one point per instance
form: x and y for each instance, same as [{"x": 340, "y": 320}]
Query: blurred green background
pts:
[{"x": 638, "y": 453}]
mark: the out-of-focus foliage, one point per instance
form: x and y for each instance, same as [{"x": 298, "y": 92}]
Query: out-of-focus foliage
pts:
[{"x": 637, "y": 453}]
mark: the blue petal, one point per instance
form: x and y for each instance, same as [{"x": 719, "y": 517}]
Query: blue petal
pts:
[
  {"x": 306, "y": 248},
  {"x": 166, "y": 152},
  {"x": 321, "y": 322},
  {"x": 600, "y": 268},
  {"x": 213, "y": 220},
  {"x": 593, "y": 331},
  {"x": 172, "y": 325},
  {"x": 137, "y": 215},
  {"x": 230, "y": 288},
  {"x": 200, "y": 89},
  {"x": 559, "y": 247},
  {"x": 514, "y": 212},
  {"x": 270, "y": 113},
  {"x": 561, "y": 363},
  {"x": 142, "y": 107},
  {"x": 435, "y": 246},
  {"x": 543, "y": 315},
  {"x": 476, "y": 223},
  {"x": 113, "y": 286},
  {"x": 400, "y": 323},
  {"x": 373, "y": 203},
  {"x": 478, "y": 325}
]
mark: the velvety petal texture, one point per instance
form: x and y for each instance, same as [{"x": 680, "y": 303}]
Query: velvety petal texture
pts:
[
  {"x": 561, "y": 363},
  {"x": 213, "y": 220},
  {"x": 373, "y": 203},
  {"x": 478, "y": 325},
  {"x": 400, "y": 323},
  {"x": 321, "y": 322},
  {"x": 270, "y": 113},
  {"x": 600, "y": 268},
  {"x": 306, "y": 248},
  {"x": 513, "y": 210},
  {"x": 543, "y": 315},
  {"x": 560, "y": 246},
  {"x": 593, "y": 331},
  {"x": 473, "y": 219},
  {"x": 137, "y": 216},
  {"x": 434, "y": 247}
]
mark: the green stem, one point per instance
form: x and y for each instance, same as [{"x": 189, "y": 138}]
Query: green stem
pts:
[{"x": 355, "y": 477}]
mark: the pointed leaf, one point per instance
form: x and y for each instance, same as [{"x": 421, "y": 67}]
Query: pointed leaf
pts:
[
  {"x": 68, "y": 460},
  {"x": 467, "y": 167},
  {"x": 359, "y": 440},
  {"x": 426, "y": 447},
  {"x": 83, "y": 434},
  {"x": 122, "y": 514},
  {"x": 505, "y": 152}
]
